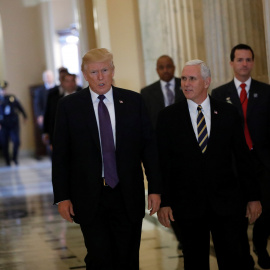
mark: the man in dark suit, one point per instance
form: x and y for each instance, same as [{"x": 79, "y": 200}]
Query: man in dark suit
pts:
[
  {"x": 40, "y": 96},
  {"x": 157, "y": 96},
  {"x": 198, "y": 138},
  {"x": 256, "y": 124},
  {"x": 163, "y": 92},
  {"x": 102, "y": 134},
  {"x": 68, "y": 86}
]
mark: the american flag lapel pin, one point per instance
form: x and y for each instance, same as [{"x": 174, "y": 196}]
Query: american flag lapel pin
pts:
[
  {"x": 215, "y": 112},
  {"x": 121, "y": 101}
]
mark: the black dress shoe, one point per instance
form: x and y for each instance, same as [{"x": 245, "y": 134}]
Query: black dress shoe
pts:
[{"x": 264, "y": 262}]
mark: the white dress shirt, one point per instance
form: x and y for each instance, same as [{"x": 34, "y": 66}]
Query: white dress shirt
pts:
[
  {"x": 164, "y": 90},
  {"x": 108, "y": 101},
  {"x": 206, "y": 110},
  {"x": 239, "y": 89}
]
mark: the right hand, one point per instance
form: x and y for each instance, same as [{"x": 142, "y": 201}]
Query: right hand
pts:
[
  {"x": 65, "y": 208},
  {"x": 165, "y": 215}
]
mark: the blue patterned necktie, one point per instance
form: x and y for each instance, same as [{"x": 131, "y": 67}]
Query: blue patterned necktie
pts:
[
  {"x": 202, "y": 130},
  {"x": 170, "y": 94},
  {"x": 107, "y": 144}
]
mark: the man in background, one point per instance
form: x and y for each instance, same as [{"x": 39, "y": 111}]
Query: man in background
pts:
[
  {"x": 10, "y": 108},
  {"x": 40, "y": 96},
  {"x": 162, "y": 93},
  {"x": 68, "y": 86},
  {"x": 252, "y": 100},
  {"x": 165, "y": 91}
]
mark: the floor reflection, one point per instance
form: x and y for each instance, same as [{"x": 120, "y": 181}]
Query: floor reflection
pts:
[{"x": 34, "y": 236}]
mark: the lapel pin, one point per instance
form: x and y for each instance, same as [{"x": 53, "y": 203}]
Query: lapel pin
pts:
[
  {"x": 215, "y": 112},
  {"x": 121, "y": 101},
  {"x": 255, "y": 95},
  {"x": 228, "y": 100}
]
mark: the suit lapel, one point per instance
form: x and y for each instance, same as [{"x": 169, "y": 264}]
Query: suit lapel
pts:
[
  {"x": 233, "y": 97},
  {"x": 253, "y": 96},
  {"x": 189, "y": 127},
  {"x": 90, "y": 117},
  {"x": 158, "y": 96},
  {"x": 119, "y": 108},
  {"x": 214, "y": 122}
]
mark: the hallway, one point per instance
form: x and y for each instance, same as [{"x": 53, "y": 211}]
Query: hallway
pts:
[{"x": 34, "y": 236}]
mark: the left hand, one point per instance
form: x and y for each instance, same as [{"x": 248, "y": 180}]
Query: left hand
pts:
[
  {"x": 254, "y": 210},
  {"x": 153, "y": 203}
]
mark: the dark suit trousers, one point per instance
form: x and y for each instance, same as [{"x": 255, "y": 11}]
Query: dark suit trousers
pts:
[
  {"x": 225, "y": 233},
  {"x": 112, "y": 240},
  {"x": 261, "y": 229}
]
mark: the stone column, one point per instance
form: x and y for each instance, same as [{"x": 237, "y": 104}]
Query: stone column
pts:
[
  {"x": 172, "y": 27},
  {"x": 48, "y": 35},
  {"x": 2, "y": 58},
  {"x": 266, "y": 12}
]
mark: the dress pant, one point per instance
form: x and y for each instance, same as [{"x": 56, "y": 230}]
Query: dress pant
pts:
[
  {"x": 261, "y": 229},
  {"x": 112, "y": 240},
  {"x": 176, "y": 231},
  {"x": 248, "y": 262},
  {"x": 225, "y": 231},
  {"x": 10, "y": 134},
  {"x": 261, "y": 232}
]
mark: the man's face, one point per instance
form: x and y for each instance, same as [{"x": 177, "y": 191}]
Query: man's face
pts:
[
  {"x": 193, "y": 85},
  {"x": 165, "y": 68},
  {"x": 242, "y": 64},
  {"x": 69, "y": 84},
  {"x": 62, "y": 75},
  {"x": 99, "y": 75}
]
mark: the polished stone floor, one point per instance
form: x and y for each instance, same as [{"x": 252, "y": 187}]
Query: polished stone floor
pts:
[{"x": 33, "y": 235}]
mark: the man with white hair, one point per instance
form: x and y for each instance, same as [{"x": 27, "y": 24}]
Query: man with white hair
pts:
[
  {"x": 41, "y": 94},
  {"x": 199, "y": 139}
]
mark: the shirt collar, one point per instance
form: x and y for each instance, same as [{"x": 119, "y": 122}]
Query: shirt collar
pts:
[
  {"x": 108, "y": 95},
  {"x": 171, "y": 82},
  {"x": 238, "y": 83},
  {"x": 193, "y": 106}
]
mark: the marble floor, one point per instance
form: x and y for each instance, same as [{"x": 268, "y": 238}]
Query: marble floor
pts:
[{"x": 33, "y": 235}]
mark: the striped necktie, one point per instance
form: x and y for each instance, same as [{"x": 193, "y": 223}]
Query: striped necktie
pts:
[{"x": 202, "y": 130}]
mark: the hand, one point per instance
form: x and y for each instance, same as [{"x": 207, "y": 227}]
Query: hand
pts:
[
  {"x": 165, "y": 215},
  {"x": 254, "y": 210},
  {"x": 153, "y": 203},
  {"x": 65, "y": 208}
]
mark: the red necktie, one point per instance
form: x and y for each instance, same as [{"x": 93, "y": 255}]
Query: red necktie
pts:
[{"x": 244, "y": 102}]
